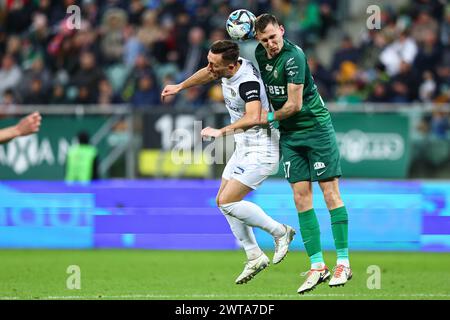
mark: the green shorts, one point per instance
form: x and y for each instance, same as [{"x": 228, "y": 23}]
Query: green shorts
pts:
[{"x": 310, "y": 156}]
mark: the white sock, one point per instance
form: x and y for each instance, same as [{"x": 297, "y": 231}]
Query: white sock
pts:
[
  {"x": 344, "y": 262},
  {"x": 252, "y": 215},
  {"x": 317, "y": 265},
  {"x": 245, "y": 236}
]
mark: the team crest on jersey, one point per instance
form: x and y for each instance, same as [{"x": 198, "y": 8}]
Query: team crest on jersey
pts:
[
  {"x": 233, "y": 93},
  {"x": 275, "y": 74},
  {"x": 269, "y": 67}
]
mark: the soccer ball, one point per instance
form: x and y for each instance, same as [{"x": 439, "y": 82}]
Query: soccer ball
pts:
[{"x": 241, "y": 25}]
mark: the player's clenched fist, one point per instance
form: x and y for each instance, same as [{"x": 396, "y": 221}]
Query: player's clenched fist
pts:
[
  {"x": 170, "y": 90},
  {"x": 211, "y": 132},
  {"x": 30, "y": 124}
]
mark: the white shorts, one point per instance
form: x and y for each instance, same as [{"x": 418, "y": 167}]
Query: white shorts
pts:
[{"x": 245, "y": 168}]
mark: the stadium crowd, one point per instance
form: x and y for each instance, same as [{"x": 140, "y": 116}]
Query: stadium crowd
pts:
[{"x": 126, "y": 51}]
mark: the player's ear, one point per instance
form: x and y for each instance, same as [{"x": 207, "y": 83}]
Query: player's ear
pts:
[{"x": 282, "y": 30}]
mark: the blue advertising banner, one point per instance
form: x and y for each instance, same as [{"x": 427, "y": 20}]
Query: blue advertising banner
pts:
[{"x": 181, "y": 214}]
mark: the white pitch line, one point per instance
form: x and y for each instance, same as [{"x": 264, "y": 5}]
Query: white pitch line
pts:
[{"x": 158, "y": 296}]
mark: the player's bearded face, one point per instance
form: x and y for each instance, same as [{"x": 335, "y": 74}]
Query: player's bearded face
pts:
[{"x": 218, "y": 67}]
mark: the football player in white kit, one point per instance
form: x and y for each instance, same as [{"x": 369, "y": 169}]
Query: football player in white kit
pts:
[{"x": 256, "y": 155}]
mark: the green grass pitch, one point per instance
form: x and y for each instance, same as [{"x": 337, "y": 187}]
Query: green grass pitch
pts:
[{"x": 209, "y": 275}]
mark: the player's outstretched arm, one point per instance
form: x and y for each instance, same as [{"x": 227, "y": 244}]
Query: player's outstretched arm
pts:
[
  {"x": 293, "y": 104},
  {"x": 27, "y": 125},
  {"x": 251, "y": 118},
  {"x": 202, "y": 76}
]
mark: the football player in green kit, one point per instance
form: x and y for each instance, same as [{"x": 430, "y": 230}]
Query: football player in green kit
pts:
[{"x": 308, "y": 145}]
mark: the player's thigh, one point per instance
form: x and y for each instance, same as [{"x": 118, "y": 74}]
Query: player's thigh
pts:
[
  {"x": 295, "y": 161},
  {"x": 324, "y": 158},
  {"x": 233, "y": 191},
  {"x": 223, "y": 184},
  {"x": 302, "y": 195}
]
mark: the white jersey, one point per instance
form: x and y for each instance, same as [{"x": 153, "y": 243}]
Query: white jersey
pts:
[{"x": 246, "y": 86}]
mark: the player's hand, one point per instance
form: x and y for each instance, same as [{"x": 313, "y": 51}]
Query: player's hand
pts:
[
  {"x": 170, "y": 90},
  {"x": 210, "y": 132},
  {"x": 30, "y": 124}
]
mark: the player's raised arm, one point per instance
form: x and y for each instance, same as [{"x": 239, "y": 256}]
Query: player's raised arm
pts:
[
  {"x": 250, "y": 93},
  {"x": 202, "y": 76},
  {"x": 27, "y": 125}
]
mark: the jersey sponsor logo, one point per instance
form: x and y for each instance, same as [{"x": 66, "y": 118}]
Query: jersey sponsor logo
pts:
[
  {"x": 251, "y": 92},
  {"x": 319, "y": 165},
  {"x": 230, "y": 105},
  {"x": 290, "y": 62},
  {"x": 269, "y": 67},
  {"x": 292, "y": 73},
  {"x": 276, "y": 90}
]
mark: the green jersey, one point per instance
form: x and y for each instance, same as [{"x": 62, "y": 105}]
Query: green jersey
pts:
[{"x": 290, "y": 66}]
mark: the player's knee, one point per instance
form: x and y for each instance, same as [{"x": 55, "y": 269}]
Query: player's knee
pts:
[
  {"x": 302, "y": 197},
  {"x": 332, "y": 198}
]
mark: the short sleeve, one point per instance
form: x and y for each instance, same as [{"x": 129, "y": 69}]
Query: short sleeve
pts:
[
  {"x": 250, "y": 91},
  {"x": 294, "y": 67}
]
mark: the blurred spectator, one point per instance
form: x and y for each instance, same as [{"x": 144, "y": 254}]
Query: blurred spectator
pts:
[
  {"x": 58, "y": 94},
  {"x": 439, "y": 125},
  {"x": 348, "y": 93},
  {"x": 427, "y": 88},
  {"x": 141, "y": 68},
  {"x": 37, "y": 71},
  {"x": 8, "y": 102},
  {"x": 402, "y": 49},
  {"x": 136, "y": 9},
  {"x": 379, "y": 93},
  {"x": 10, "y": 74},
  {"x": 346, "y": 52},
  {"x": 113, "y": 39},
  {"x": 147, "y": 93},
  {"x": 191, "y": 98},
  {"x": 423, "y": 24},
  {"x": 322, "y": 77},
  {"x": 36, "y": 93},
  {"x": 429, "y": 53},
  {"x": 106, "y": 96},
  {"x": 445, "y": 29},
  {"x": 328, "y": 9},
  {"x": 196, "y": 53},
  {"x": 88, "y": 77},
  {"x": 403, "y": 86},
  {"x": 150, "y": 30},
  {"x": 39, "y": 32},
  {"x": 133, "y": 46},
  {"x": 85, "y": 95}
]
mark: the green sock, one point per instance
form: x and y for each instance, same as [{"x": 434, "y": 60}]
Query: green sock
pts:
[
  {"x": 339, "y": 226},
  {"x": 310, "y": 231}
]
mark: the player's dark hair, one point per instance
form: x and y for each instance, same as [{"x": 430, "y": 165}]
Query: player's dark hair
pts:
[
  {"x": 227, "y": 48},
  {"x": 264, "y": 20}
]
